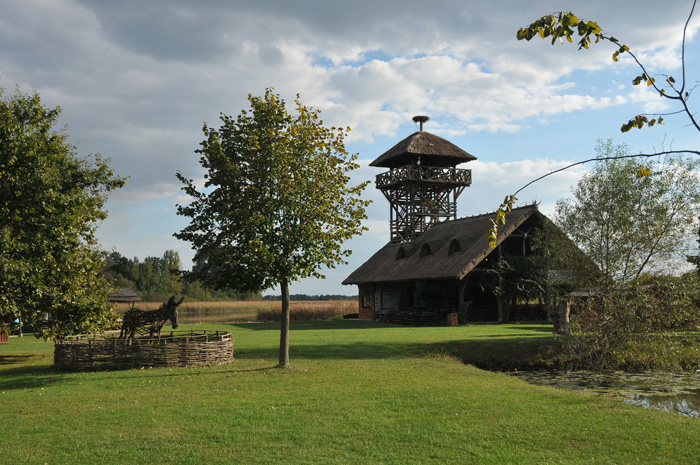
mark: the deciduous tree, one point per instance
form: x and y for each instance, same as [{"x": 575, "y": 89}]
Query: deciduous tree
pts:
[
  {"x": 50, "y": 203},
  {"x": 627, "y": 223},
  {"x": 276, "y": 205}
]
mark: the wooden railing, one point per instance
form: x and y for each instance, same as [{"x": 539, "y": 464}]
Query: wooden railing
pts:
[{"x": 433, "y": 174}]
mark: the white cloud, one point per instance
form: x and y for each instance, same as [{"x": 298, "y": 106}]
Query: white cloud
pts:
[{"x": 136, "y": 80}]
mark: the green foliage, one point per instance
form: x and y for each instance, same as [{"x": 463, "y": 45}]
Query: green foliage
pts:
[
  {"x": 561, "y": 25},
  {"x": 514, "y": 279},
  {"x": 50, "y": 203},
  {"x": 628, "y": 223},
  {"x": 566, "y": 267},
  {"x": 154, "y": 275},
  {"x": 554, "y": 266},
  {"x": 564, "y": 25},
  {"x": 639, "y": 121},
  {"x": 463, "y": 312},
  {"x": 157, "y": 278},
  {"x": 652, "y": 324},
  {"x": 276, "y": 204}
]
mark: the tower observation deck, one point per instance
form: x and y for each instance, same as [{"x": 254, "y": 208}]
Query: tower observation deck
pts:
[{"x": 423, "y": 182}]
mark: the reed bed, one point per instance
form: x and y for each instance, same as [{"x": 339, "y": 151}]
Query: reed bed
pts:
[
  {"x": 309, "y": 311},
  {"x": 251, "y": 311}
]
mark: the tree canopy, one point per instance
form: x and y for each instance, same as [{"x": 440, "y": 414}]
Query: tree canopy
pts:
[
  {"x": 276, "y": 205},
  {"x": 157, "y": 278},
  {"x": 628, "y": 223},
  {"x": 50, "y": 203}
]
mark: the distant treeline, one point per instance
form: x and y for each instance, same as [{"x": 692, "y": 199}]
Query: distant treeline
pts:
[
  {"x": 157, "y": 278},
  {"x": 304, "y": 297}
]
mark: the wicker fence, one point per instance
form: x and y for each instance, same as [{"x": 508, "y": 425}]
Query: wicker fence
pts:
[{"x": 172, "y": 349}]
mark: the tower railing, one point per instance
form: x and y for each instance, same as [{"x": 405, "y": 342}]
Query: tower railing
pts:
[{"x": 431, "y": 174}]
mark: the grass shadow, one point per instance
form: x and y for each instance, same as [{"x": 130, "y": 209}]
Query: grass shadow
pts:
[
  {"x": 537, "y": 327},
  {"x": 29, "y": 377},
  {"x": 13, "y": 359},
  {"x": 331, "y": 351},
  {"x": 499, "y": 354},
  {"x": 318, "y": 325}
]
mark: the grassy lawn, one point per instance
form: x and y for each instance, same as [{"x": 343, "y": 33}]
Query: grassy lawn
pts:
[{"x": 358, "y": 393}]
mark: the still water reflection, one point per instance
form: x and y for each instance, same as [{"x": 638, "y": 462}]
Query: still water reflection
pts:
[{"x": 678, "y": 393}]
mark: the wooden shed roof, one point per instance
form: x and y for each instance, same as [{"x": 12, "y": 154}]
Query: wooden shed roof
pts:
[
  {"x": 447, "y": 250},
  {"x": 432, "y": 150},
  {"x": 124, "y": 295}
]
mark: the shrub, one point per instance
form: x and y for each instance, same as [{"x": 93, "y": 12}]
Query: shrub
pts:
[{"x": 652, "y": 325}]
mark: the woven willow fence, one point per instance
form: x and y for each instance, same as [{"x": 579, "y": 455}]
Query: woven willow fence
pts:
[{"x": 173, "y": 349}]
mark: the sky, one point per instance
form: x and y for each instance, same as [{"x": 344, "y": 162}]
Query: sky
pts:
[{"x": 136, "y": 81}]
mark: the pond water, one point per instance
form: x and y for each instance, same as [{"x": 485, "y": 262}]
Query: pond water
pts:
[{"x": 671, "y": 392}]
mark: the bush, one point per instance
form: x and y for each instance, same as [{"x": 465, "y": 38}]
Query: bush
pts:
[{"x": 652, "y": 325}]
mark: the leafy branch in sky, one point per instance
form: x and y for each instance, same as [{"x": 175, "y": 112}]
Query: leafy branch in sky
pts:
[{"x": 565, "y": 26}]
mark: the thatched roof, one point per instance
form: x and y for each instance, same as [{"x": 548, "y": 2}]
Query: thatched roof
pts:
[
  {"x": 124, "y": 295},
  {"x": 433, "y": 151},
  {"x": 447, "y": 250}
]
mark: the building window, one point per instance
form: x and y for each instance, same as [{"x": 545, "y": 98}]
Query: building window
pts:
[
  {"x": 455, "y": 246},
  {"x": 401, "y": 253},
  {"x": 425, "y": 250},
  {"x": 367, "y": 301}
]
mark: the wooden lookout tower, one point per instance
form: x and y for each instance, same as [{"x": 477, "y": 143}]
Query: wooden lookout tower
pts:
[{"x": 423, "y": 182}]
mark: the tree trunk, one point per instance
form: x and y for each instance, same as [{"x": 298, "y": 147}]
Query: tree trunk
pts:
[
  {"x": 284, "y": 330},
  {"x": 561, "y": 324}
]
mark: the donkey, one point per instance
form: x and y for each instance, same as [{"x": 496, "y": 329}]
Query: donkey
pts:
[{"x": 137, "y": 320}]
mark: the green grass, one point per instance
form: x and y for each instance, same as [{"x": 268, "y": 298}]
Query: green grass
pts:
[{"x": 358, "y": 393}]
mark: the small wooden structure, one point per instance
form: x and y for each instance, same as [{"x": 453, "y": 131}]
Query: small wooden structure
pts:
[
  {"x": 124, "y": 295},
  {"x": 423, "y": 183},
  {"x": 150, "y": 321},
  {"x": 175, "y": 349}
]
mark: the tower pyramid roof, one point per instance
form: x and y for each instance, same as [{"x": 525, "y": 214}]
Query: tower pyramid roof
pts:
[{"x": 431, "y": 149}]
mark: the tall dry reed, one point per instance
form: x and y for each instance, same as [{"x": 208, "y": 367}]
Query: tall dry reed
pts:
[
  {"x": 309, "y": 311},
  {"x": 246, "y": 312}
]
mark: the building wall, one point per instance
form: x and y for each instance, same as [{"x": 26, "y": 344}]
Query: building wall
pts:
[{"x": 388, "y": 298}]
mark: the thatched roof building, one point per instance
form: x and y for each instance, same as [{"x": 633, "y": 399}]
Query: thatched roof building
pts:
[
  {"x": 449, "y": 250},
  {"x": 436, "y": 264},
  {"x": 450, "y": 269},
  {"x": 124, "y": 295}
]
